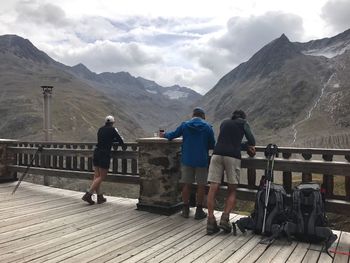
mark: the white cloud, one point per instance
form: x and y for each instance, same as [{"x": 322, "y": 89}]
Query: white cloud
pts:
[
  {"x": 337, "y": 14},
  {"x": 190, "y": 43}
]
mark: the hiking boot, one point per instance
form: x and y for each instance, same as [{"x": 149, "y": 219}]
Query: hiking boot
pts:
[
  {"x": 212, "y": 226},
  {"x": 200, "y": 214},
  {"x": 88, "y": 198},
  {"x": 101, "y": 199},
  {"x": 185, "y": 211},
  {"x": 225, "y": 223}
]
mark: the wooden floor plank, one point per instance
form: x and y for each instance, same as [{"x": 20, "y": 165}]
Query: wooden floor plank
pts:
[
  {"x": 94, "y": 218},
  {"x": 298, "y": 253},
  {"x": 162, "y": 234},
  {"x": 326, "y": 258},
  {"x": 343, "y": 249},
  {"x": 169, "y": 248},
  {"x": 284, "y": 253},
  {"x": 211, "y": 245},
  {"x": 77, "y": 237},
  {"x": 313, "y": 253},
  {"x": 110, "y": 241},
  {"x": 275, "y": 251},
  {"x": 45, "y": 224}
]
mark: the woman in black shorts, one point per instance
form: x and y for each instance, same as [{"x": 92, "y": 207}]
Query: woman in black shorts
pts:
[{"x": 106, "y": 135}]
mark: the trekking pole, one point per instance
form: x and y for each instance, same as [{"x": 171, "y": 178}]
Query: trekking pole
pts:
[
  {"x": 40, "y": 149},
  {"x": 270, "y": 152}
]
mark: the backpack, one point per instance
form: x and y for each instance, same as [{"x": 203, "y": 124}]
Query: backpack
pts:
[
  {"x": 275, "y": 212},
  {"x": 307, "y": 220}
]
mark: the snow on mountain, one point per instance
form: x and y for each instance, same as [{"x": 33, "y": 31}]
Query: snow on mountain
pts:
[
  {"x": 175, "y": 94},
  {"x": 329, "y": 51}
]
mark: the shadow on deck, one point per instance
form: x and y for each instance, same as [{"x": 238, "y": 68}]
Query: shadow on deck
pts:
[{"x": 43, "y": 224}]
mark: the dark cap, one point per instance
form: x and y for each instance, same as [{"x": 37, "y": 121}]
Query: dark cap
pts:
[{"x": 198, "y": 110}]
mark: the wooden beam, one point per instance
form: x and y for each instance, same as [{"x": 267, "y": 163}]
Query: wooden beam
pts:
[{"x": 118, "y": 178}]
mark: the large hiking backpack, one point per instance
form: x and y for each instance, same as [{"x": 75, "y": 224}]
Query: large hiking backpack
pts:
[
  {"x": 275, "y": 212},
  {"x": 307, "y": 220}
]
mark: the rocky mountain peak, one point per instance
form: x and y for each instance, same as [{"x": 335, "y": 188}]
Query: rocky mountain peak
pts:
[
  {"x": 22, "y": 48},
  {"x": 271, "y": 57}
]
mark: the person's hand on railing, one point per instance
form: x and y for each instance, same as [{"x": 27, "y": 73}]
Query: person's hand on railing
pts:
[{"x": 251, "y": 151}]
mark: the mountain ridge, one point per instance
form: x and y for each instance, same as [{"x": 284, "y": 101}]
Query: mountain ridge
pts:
[{"x": 81, "y": 98}]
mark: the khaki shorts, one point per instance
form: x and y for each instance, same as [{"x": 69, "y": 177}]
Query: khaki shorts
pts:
[
  {"x": 220, "y": 164},
  {"x": 190, "y": 175}
]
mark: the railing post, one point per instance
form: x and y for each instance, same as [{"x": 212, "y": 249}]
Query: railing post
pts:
[
  {"x": 306, "y": 177},
  {"x": 347, "y": 181},
  {"x": 328, "y": 179},
  {"x": 287, "y": 176},
  {"x": 159, "y": 169},
  {"x": 5, "y": 160},
  {"x": 251, "y": 174}
]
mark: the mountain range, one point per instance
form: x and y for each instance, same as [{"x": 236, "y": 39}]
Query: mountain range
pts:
[
  {"x": 294, "y": 94},
  {"x": 81, "y": 98}
]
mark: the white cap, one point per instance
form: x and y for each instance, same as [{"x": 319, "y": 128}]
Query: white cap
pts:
[{"x": 110, "y": 119}]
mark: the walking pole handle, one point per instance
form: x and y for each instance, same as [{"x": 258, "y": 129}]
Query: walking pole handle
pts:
[{"x": 271, "y": 150}]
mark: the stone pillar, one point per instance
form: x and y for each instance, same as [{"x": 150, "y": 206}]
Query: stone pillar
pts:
[
  {"x": 5, "y": 160},
  {"x": 159, "y": 169}
]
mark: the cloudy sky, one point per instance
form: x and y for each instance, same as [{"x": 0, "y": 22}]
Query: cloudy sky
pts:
[{"x": 188, "y": 42}]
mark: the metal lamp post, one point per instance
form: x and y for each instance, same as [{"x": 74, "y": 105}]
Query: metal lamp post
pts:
[{"x": 47, "y": 92}]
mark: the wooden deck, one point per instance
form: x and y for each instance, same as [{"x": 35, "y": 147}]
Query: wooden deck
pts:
[{"x": 43, "y": 224}]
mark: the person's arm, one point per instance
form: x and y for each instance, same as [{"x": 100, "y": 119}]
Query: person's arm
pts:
[
  {"x": 211, "y": 138},
  {"x": 118, "y": 138},
  {"x": 174, "y": 134},
  {"x": 249, "y": 135}
]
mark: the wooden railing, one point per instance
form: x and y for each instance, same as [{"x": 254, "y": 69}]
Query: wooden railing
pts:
[
  {"x": 74, "y": 160},
  {"x": 294, "y": 165}
]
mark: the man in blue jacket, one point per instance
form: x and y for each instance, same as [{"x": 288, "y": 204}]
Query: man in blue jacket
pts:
[{"x": 197, "y": 139}]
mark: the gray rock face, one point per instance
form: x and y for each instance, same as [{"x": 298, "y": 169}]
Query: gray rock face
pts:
[
  {"x": 289, "y": 95},
  {"x": 81, "y": 98}
]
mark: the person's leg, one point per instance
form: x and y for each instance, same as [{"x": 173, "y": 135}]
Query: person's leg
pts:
[
  {"x": 187, "y": 178},
  {"x": 212, "y": 226},
  {"x": 201, "y": 174},
  {"x": 232, "y": 169},
  {"x": 88, "y": 195},
  {"x": 98, "y": 179},
  {"x": 186, "y": 191},
  {"x": 213, "y": 189},
  {"x": 96, "y": 175},
  {"x": 230, "y": 202}
]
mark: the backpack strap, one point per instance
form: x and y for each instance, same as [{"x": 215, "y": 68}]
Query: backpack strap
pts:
[
  {"x": 315, "y": 213},
  {"x": 259, "y": 211},
  {"x": 297, "y": 212},
  {"x": 276, "y": 211}
]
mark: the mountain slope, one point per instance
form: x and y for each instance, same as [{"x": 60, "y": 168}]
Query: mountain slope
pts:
[
  {"x": 81, "y": 99},
  {"x": 152, "y": 105},
  {"x": 290, "y": 97}
]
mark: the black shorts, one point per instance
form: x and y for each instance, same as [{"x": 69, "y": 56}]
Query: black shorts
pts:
[{"x": 102, "y": 158}]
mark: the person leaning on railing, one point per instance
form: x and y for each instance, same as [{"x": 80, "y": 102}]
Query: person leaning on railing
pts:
[
  {"x": 227, "y": 157},
  {"x": 197, "y": 139},
  {"x": 106, "y": 136}
]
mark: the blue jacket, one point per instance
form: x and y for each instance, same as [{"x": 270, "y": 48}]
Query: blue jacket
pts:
[{"x": 197, "y": 139}]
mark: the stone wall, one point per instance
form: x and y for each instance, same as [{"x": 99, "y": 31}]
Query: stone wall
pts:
[
  {"x": 6, "y": 159},
  {"x": 159, "y": 169}
]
